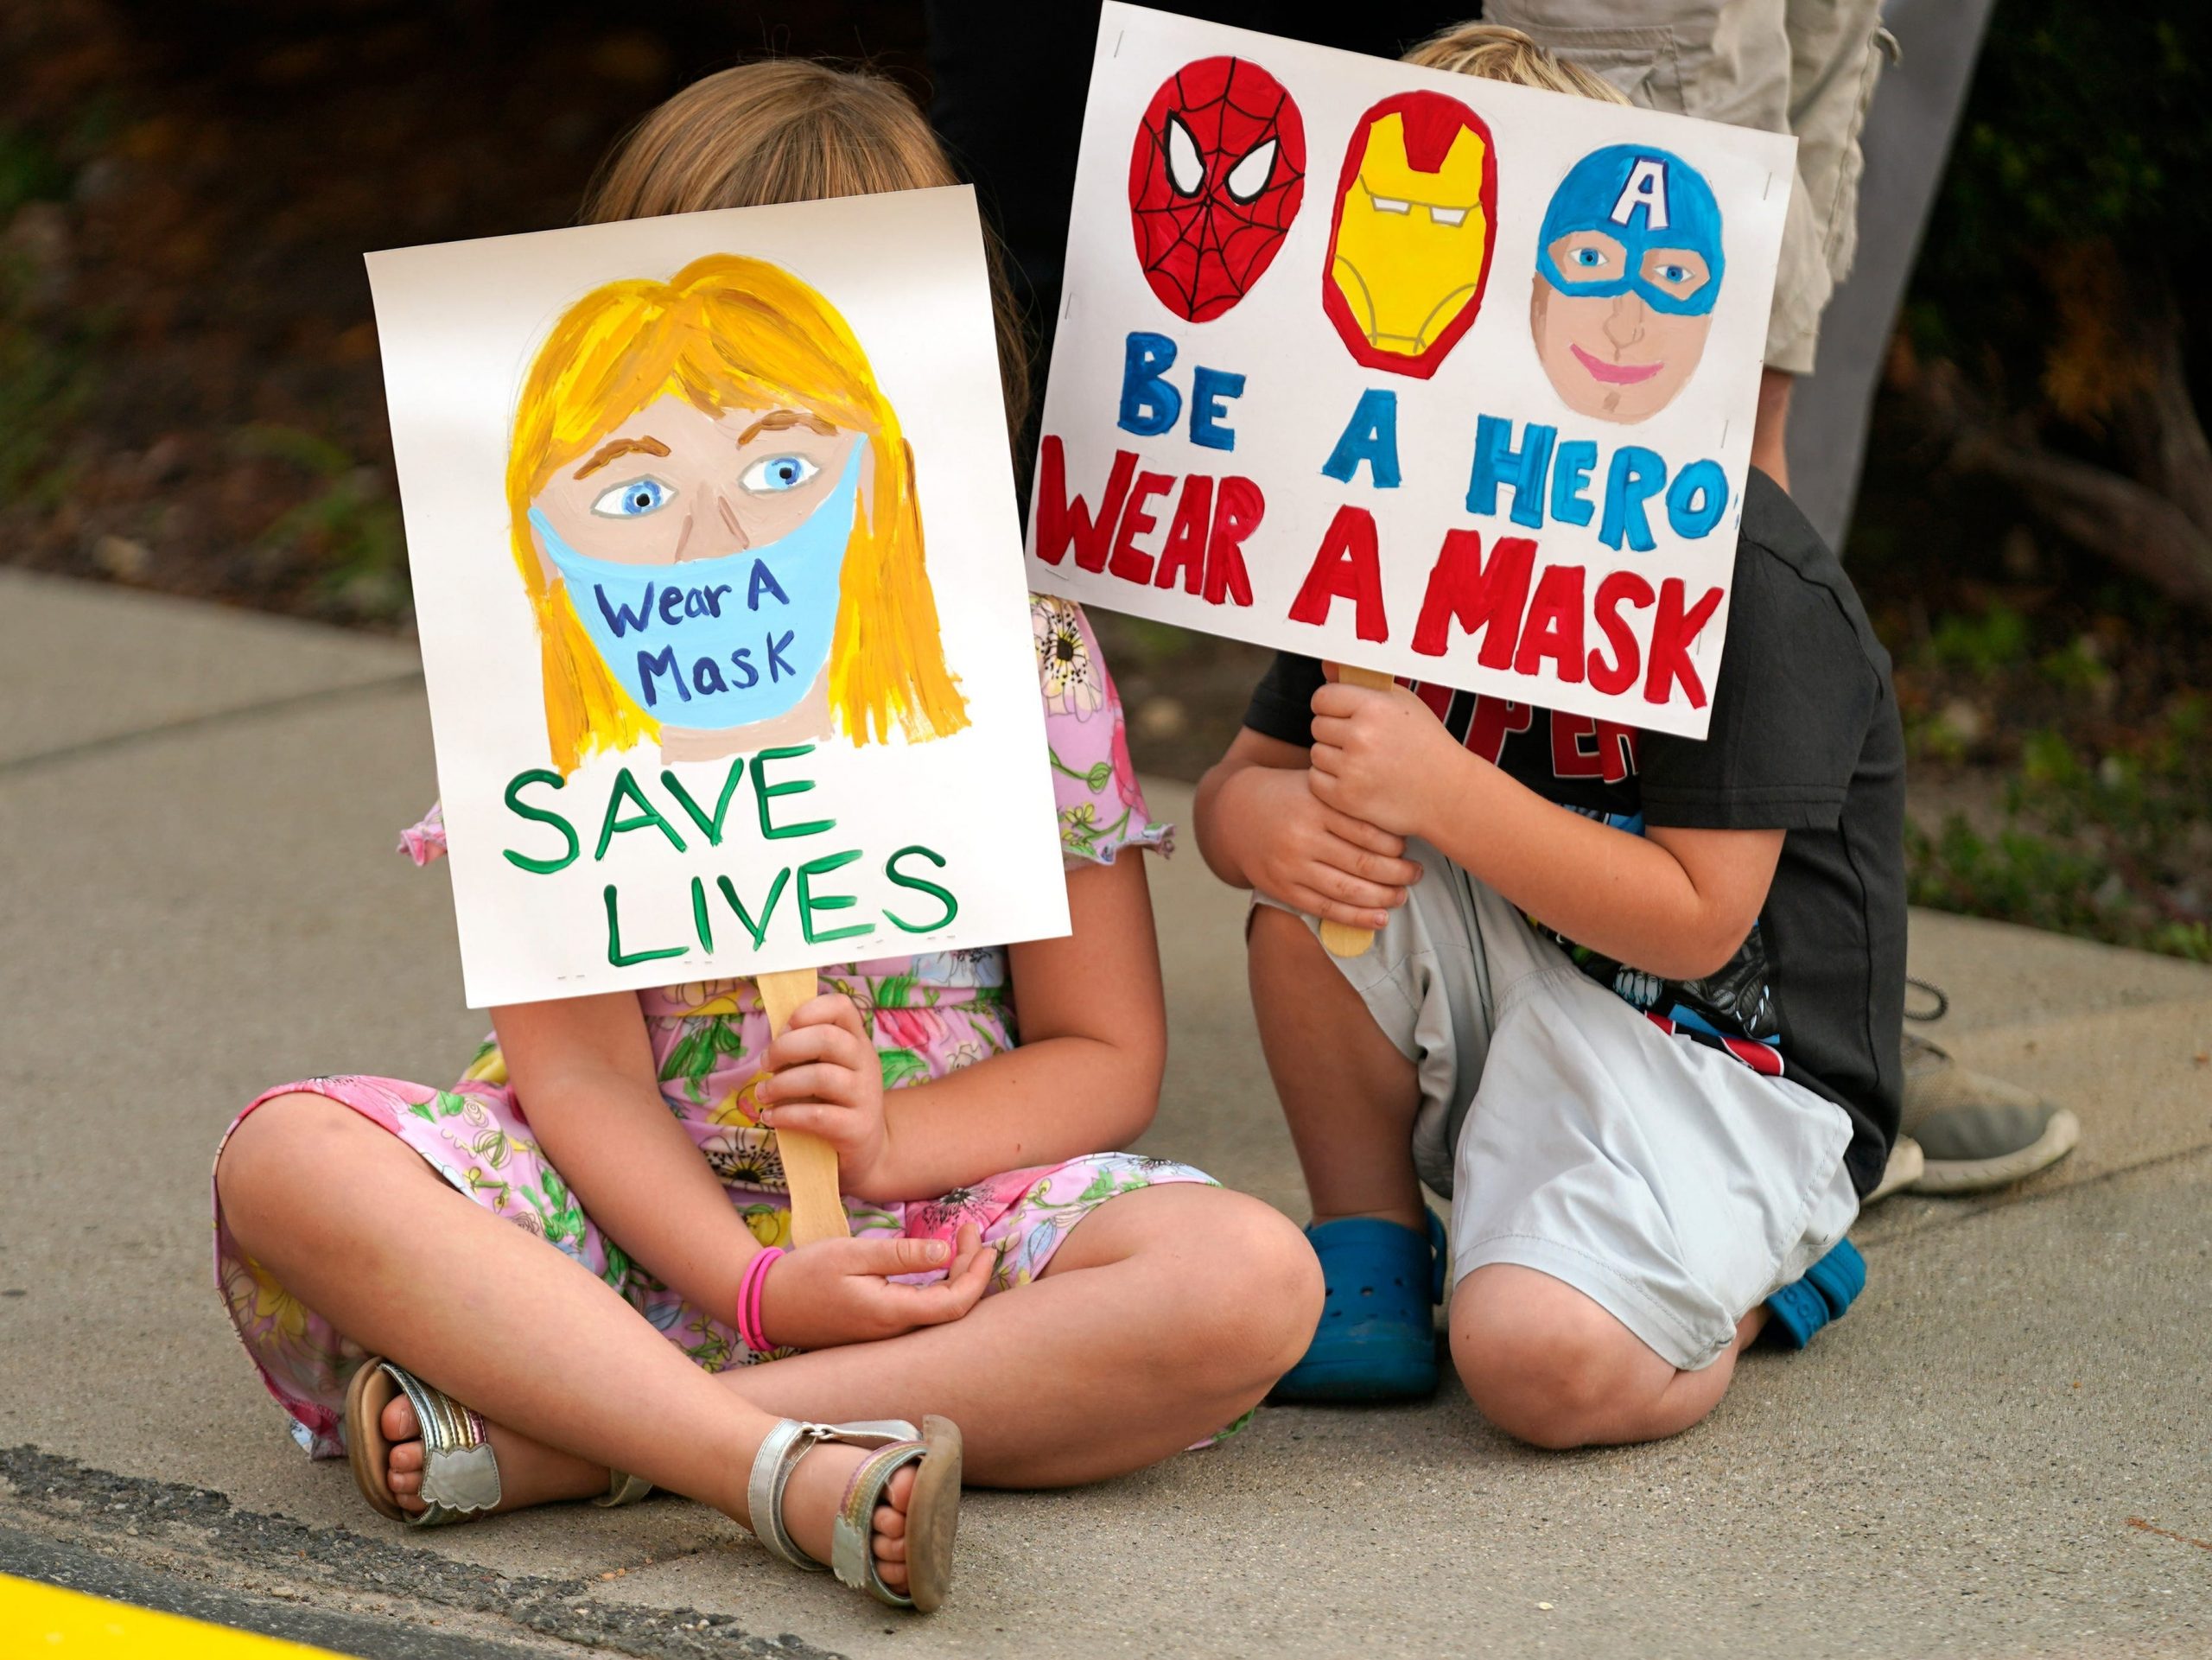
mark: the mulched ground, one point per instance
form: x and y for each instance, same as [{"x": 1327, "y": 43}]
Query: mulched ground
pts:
[{"x": 189, "y": 390}]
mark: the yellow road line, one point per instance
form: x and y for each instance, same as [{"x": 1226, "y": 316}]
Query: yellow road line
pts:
[{"x": 38, "y": 1621}]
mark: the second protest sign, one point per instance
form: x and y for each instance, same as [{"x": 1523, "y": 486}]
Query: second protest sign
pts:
[{"x": 1448, "y": 378}]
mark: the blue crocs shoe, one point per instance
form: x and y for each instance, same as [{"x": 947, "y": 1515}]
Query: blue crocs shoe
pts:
[
  {"x": 1377, "y": 1337},
  {"x": 1829, "y": 1287}
]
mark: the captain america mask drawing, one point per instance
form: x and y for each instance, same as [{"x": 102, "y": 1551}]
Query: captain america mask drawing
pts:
[{"x": 1628, "y": 264}]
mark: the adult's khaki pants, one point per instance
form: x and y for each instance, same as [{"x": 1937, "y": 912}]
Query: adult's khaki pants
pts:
[{"x": 1802, "y": 67}]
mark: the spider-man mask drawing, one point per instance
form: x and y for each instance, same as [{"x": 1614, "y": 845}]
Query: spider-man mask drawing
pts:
[{"x": 1214, "y": 180}]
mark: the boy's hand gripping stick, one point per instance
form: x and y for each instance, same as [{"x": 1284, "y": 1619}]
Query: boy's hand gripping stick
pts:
[
  {"x": 810, "y": 1162},
  {"x": 1341, "y": 939}
]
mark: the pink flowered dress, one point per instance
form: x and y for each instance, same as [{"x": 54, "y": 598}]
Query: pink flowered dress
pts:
[{"x": 930, "y": 1016}]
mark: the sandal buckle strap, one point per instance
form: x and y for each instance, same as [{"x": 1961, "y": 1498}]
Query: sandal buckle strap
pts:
[
  {"x": 623, "y": 1488},
  {"x": 861, "y": 1431},
  {"x": 781, "y": 1448}
]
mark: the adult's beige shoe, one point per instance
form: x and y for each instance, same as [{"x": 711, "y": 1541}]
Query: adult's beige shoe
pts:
[
  {"x": 1975, "y": 1132},
  {"x": 1906, "y": 1162}
]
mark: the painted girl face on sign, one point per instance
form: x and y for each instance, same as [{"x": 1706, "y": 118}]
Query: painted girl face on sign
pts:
[
  {"x": 702, "y": 550},
  {"x": 715, "y": 514},
  {"x": 1628, "y": 264}
]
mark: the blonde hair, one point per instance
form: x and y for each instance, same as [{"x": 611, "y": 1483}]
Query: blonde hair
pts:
[
  {"x": 1495, "y": 51},
  {"x": 727, "y": 333},
  {"x": 790, "y": 130}
]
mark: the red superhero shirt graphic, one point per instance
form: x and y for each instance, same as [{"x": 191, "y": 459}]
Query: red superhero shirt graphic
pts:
[{"x": 1214, "y": 180}]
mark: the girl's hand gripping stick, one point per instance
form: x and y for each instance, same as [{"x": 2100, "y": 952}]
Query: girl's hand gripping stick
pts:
[{"x": 810, "y": 1162}]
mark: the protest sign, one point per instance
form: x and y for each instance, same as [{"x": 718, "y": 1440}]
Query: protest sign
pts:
[
  {"x": 1431, "y": 375},
  {"x": 705, "y": 702}
]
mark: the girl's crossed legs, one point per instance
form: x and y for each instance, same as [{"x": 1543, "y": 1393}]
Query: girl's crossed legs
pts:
[{"x": 1164, "y": 1315}]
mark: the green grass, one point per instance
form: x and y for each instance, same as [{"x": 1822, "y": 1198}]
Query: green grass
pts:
[
  {"x": 45, "y": 378},
  {"x": 1987, "y": 644},
  {"x": 2102, "y": 845},
  {"x": 29, "y": 171},
  {"x": 349, "y": 527},
  {"x": 1155, "y": 644},
  {"x": 2078, "y": 666}
]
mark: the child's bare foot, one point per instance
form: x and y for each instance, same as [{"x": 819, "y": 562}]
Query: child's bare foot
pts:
[
  {"x": 818, "y": 1488},
  {"x": 530, "y": 1472}
]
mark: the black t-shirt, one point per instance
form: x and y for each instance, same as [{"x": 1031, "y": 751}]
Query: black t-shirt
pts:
[{"x": 1805, "y": 739}]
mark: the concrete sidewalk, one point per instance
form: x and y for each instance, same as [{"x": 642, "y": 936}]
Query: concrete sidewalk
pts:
[{"x": 2006, "y": 1449}]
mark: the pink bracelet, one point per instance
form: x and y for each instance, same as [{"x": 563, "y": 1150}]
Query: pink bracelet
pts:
[{"x": 748, "y": 1299}]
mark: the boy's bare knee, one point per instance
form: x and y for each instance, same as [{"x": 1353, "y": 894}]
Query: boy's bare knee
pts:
[
  {"x": 1544, "y": 1363},
  {"x": 1543, "y": 1388}
]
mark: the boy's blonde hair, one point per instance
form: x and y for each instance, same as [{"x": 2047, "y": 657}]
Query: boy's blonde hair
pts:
[
  {"x": 791, "y": 129},
  {"x": 1495, "y": 51}
]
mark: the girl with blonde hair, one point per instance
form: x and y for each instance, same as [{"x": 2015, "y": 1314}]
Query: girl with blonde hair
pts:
[{"x": 565, "y": 1276}]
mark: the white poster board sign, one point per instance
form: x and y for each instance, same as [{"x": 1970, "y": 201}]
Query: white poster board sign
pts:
[
  {"x": 1428, "y": 374},
  {"x": 707, "y": 701}
]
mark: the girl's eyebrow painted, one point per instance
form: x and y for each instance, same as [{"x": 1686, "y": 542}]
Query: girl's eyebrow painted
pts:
[
  {"x": 606, "y": 452},
  {"x": 778, "y": 420}
]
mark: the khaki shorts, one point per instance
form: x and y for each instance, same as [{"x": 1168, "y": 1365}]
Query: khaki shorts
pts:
[
  {"x": 1802, "y": 67},
  {"x": 1668, "y": 1183}
]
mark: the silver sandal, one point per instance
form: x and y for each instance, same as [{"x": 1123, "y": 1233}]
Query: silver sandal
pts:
[
  {"x": 932, "y": 1507},
  {"x": 460, "y": 1473}
]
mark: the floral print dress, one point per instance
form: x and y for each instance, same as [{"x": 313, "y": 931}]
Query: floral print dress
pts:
[{"x": 929, "y": 1016}]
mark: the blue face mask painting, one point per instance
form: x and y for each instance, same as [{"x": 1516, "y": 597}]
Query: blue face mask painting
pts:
[
  {"x": 721, "y": 642},
  {"x": 1657, "y": 232}
]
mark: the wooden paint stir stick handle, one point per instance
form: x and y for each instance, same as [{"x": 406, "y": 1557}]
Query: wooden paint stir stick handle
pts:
[
  {"x": 810, "y": 1162},
  {"x": 1339, "y": 938}
]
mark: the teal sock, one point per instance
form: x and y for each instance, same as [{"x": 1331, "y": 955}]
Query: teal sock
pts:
[{"x": 1829, "y": 1287}]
